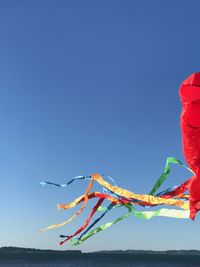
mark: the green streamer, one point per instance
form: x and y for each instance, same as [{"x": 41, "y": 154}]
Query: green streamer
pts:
[
  {"x": 102, "y": 227},
  {"x": 162, "y": 178},
  {"x": 102, "y": 209},
  {"x": 147, "y": 215}
]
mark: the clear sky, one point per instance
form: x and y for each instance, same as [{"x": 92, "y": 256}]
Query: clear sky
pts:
[{"x": 92, "y": 86}]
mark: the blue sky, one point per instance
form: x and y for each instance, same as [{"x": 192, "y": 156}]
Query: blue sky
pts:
[{"x": 92, "y": 86}]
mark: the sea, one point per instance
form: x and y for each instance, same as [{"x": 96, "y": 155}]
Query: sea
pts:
[{"x": 107, "y": 261}]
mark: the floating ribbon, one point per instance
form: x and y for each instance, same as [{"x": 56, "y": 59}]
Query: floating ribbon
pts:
[
  {"x": 182, "y": 214},
  {"x": 120, "y": 197}
]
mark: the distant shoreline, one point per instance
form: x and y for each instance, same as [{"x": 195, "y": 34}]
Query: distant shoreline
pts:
[
  {"x": 20, "y": 256},
  {"x": 31, "y": 251}
]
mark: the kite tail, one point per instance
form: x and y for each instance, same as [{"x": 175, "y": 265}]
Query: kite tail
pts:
[{"x": 119, "y": 197}]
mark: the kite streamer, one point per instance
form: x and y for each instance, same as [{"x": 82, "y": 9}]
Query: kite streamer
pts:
[{"x": 185, "y": 197}]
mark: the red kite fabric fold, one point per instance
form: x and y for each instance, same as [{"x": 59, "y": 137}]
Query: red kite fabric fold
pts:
[{"x": 190, "y": 126}]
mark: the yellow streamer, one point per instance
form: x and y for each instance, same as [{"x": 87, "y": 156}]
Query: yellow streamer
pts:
[{"x": 154, "y": 200}]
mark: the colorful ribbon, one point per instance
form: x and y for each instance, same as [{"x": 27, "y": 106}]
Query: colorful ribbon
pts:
[{"x": 120, "y": 197}]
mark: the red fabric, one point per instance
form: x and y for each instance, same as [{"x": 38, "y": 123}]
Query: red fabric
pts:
[
  {"x": 179, "y": 190},
  {"x": 86, "y": 222},
  {"x": 190, "y": 126}
]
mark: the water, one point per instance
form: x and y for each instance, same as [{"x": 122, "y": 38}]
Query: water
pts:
[{"x": 107, "y": 261}]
